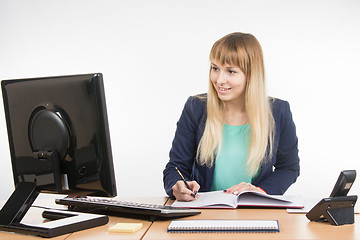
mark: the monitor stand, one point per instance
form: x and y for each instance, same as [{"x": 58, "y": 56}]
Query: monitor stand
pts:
[{"x": 63, "y": 222}]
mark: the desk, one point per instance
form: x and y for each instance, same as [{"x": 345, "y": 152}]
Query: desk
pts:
[
  {"x": 101, "y": 233},
  {"x": 292, "y": 226},
  {"x": 98, "y": 233}
]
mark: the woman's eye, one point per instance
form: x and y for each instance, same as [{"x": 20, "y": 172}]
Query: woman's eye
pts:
[
  {"x": 231, "y": 71},
  {"x": 214, "y": 68}
]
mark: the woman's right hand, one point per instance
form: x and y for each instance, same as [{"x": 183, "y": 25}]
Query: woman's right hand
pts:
[{"x": 182, "y": 193}]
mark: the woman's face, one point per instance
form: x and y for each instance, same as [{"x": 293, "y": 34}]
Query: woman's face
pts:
[{"x": 229, "y": 82}]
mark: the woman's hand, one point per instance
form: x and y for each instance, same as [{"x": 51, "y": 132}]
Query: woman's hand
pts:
[
  {"x": 238, "y": 188},
  {"x": 182, "y": 193}
]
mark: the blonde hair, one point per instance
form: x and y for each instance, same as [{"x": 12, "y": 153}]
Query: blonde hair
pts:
[{"x": 242, "y": 50}]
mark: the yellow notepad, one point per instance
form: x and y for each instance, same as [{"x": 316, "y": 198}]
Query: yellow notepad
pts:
[{"x": 126, "y": 227}]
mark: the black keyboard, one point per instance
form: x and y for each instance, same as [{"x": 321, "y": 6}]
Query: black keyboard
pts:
[{"x": 122, "y": 208}]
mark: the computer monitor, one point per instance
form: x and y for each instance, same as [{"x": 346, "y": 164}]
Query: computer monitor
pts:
[
  {"x": 58, "y": 134},
  {"x": 59, "y": 143}
]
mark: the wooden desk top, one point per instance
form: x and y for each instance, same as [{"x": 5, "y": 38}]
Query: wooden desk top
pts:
[
  {"x": 292, "y": 226},
  {"x": 101, "y": 232}
]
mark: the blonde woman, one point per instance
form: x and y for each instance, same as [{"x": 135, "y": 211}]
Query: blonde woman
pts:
[{"x": 234, "y": 138}]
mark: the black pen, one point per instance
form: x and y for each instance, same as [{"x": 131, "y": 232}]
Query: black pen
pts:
[{"x": 182, "y": 177}]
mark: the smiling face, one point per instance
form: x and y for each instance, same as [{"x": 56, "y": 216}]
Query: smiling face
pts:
[{"x": 229, "y": 82}]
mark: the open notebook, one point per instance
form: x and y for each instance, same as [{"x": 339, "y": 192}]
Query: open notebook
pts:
[
  {"x": 192, "y": 226},
  {"x": 219, "y": 199}
]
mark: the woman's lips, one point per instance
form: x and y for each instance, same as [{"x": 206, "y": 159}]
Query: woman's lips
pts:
[{"x": 223, "y": 89}]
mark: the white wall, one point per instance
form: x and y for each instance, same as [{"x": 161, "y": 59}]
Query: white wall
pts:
[{"x": 154, "y": 54}]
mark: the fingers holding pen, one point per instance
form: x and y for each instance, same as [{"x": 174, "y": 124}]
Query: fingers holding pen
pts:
[
  {"x": 192, "y": 189},
  {"x": 194, "y": 186},
  {"x": 183, "y": 193}
]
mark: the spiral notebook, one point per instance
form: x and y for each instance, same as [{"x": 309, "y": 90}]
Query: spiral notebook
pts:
[{"x": 226, "y": 226}]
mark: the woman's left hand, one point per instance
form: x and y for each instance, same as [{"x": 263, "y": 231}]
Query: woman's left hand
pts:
[{"x": 238, "y": 188}]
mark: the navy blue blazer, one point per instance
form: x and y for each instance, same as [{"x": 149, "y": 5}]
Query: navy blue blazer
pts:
[{"x": 276, "y": 174}]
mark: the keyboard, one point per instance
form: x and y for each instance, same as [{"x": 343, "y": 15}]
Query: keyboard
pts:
[{"x": 124, "y": 208}]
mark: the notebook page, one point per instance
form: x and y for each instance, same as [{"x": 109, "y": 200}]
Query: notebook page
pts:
[
  {"x": 210, "y": 199},
  {"x": 253, "y": 199}
]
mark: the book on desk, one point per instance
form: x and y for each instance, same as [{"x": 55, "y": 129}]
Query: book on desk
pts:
[{"x": 219, "y": 199}]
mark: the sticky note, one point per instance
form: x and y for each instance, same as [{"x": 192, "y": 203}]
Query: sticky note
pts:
[{"x": 125, "y": 227}]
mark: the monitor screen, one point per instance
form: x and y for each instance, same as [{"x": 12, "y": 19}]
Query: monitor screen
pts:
[{"x": 58, "y": 134}]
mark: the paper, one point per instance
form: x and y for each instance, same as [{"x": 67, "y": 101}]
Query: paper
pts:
[
  {"x": 126, "y": 227},
  {"x": 219, "y": 199}
]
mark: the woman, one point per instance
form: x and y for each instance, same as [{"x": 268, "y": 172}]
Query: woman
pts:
[{"x": 234, "y": 138}]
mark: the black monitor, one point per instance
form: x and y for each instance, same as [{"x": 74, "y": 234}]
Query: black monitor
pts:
[
  {"x": 59, "y": 143},
  {"x": 58, "y": 134}
]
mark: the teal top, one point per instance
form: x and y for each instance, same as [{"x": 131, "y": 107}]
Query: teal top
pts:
[{"x": 230, "y": 165}]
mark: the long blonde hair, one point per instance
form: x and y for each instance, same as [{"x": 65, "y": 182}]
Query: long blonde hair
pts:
[{"x": 242, "y": 50}]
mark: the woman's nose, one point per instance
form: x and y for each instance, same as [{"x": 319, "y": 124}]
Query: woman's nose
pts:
[{"x": 221, "y": 78}]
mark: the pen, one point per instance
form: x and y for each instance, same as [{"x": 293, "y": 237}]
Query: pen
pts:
[{"x": 182, "y": 177}]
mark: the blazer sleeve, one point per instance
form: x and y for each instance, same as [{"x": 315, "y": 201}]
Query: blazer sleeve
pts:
[
  {"x": 285, "y": 165},
  {"x": 184, "y": 146}
]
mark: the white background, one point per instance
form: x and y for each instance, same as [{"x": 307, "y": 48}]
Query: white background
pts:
[{"x": 154, "y": 54}]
